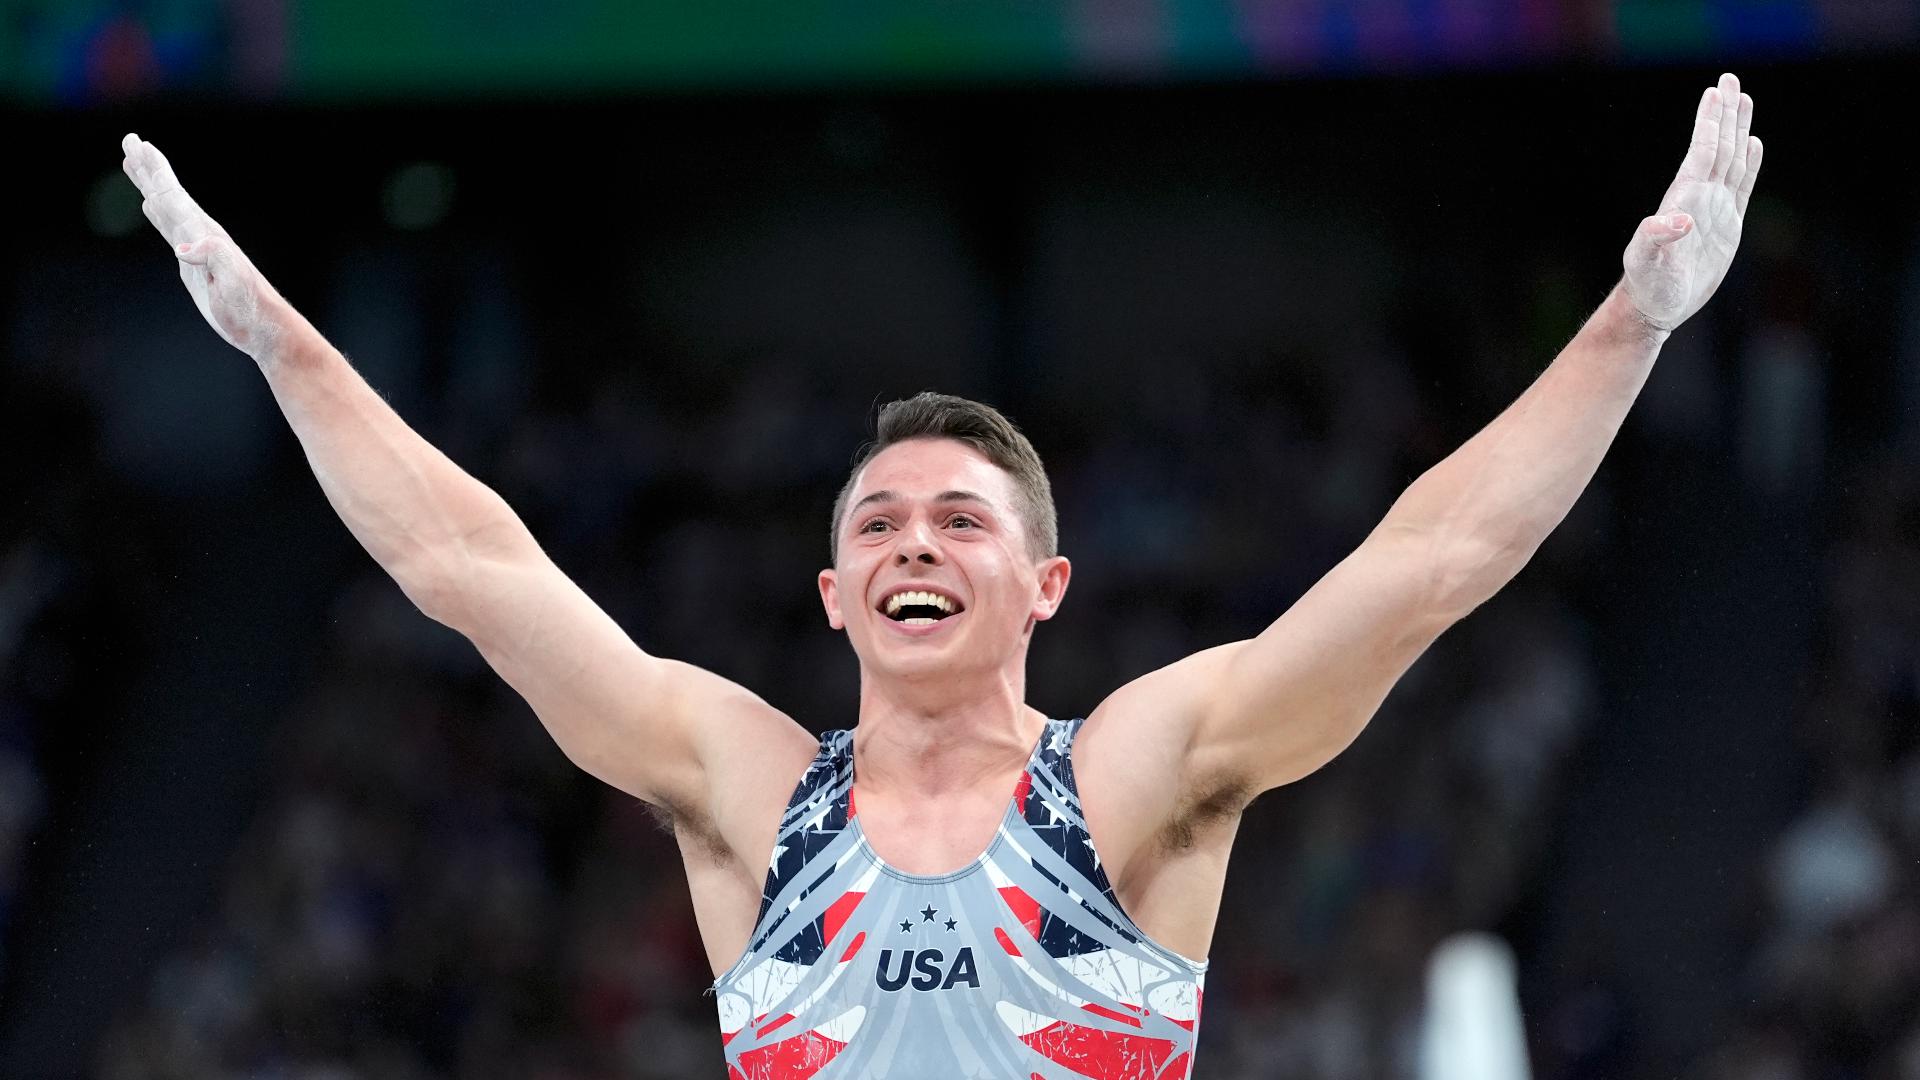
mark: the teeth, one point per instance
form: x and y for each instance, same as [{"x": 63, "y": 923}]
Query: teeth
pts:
[
  {"x": 920, "y": 621},
  {"x": 901, "y": 599}
]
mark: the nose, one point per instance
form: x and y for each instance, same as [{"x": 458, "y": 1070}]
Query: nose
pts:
[{"x": 917, "y": 545}]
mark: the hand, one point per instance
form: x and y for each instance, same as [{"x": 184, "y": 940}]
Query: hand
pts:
[
  {"x": 1679, "y": 255},
  {"x": 232, "y": 296}
]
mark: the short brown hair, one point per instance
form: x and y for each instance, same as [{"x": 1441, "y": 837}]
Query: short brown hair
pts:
[{"x": 928, "y": 415}]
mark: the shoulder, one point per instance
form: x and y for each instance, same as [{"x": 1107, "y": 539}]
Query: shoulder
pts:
[
  {"x": 1134, "y": 765},
  {"x": 754, "y": 761},
  {"x": 1146, "y": 727}
]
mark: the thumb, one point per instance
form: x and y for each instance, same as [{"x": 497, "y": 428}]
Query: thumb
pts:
[
  {"x": 219, "y": 256},
  {"x": 199, "y": 252},
  {"x": 1664, "y": 229},
  {"x": 229, "y": 276}
]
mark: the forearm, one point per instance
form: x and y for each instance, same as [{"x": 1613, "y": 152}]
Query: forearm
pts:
[
  {"x": 417, "y": 513},
  {"x": 1487, "y": 506}
]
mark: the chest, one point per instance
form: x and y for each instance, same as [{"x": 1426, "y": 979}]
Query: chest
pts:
[
  {"x": 903, "y": 973},
  {"x": 930, "y": 837}
]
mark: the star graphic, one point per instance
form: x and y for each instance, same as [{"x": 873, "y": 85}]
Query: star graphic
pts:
[
  {"x": 950, "y": 925},
  {"x": 778, "y": 850},
  {"x": 906, "y": 926},
  {"x": 819, "y": 818},
  {"x": 927, "y": 913}
]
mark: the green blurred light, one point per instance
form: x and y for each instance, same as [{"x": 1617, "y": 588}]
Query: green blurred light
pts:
[
  {"x": 418, "y": 196},
  {"x": 112, "y": 206}
]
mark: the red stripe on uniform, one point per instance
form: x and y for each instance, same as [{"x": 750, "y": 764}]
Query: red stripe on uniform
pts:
[
  {"x": 1102, "y": 1010},
  {"x": 798, "y": 1058},
  {"x": 1102, "y": 1055},
  {"x": 836, "y": 916},
  {"x": 1024, "y": 907}
]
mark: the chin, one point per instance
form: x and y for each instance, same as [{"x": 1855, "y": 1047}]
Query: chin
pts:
[
  {"x": 915, "y": 664},
  {"x": 917, "y": 668}
]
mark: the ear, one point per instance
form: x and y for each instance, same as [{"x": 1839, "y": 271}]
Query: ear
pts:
[
  {"x": 1054, "y": 574},
  {"x": 830, "y": 599}
]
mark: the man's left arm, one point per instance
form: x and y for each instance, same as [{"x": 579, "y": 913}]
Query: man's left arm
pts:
[{"x": 1270, "y": 710}]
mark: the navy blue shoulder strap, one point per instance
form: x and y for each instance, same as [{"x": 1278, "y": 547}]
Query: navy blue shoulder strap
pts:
[
  {"x": 1051, "y": 805},
  {"x": 822, "y": 795}
]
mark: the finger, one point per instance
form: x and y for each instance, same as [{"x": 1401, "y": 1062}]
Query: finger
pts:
[
  {"x": 165, "y": 213},
  {"x": 178, "y": 218},
  {"x": 1706, "y": 135},
  {"x": 1737, "y": 173},
  {"x": 162, "y": 222},
  {"x": 148, "y": 167},
  {"x": 1745, "y": 191},
  {"x": 1729, "y": 94},
  {"x": 159, "y": 170},
  {"x": 127, "y": 145},
  {"x": 136, "y": 163}
]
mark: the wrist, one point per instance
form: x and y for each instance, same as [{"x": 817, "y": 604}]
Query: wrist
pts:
[
  {"x": 1620, "y": 320},
  {"x": 280, "y": 335}
]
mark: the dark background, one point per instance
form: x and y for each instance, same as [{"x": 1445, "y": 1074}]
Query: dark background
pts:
[{"x": 260, "y": 818}]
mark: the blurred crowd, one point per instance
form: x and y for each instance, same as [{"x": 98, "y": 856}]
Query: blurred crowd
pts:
[
  {"x": 67, "y": 590},
  {"x": 1831, "y": 985},
  {"x": 429, "y": 889},
  {"x": 433, "y": 890}
]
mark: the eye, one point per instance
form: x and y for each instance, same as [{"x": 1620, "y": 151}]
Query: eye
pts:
[
  {"x": 868, "y": 527},
  {"x": 962, "y": 519}
]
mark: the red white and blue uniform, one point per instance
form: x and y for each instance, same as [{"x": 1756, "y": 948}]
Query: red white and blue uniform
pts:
[{"x": 1019, "y": 966}]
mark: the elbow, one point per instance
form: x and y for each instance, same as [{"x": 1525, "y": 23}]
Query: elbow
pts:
[
  {"x": 446, "y": 578},
  {"x": 436, "y": 580},
  {"x": 1468, "y": 571}
]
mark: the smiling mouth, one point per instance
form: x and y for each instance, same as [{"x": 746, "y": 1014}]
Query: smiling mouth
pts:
[{"x": 919, "y": 608}]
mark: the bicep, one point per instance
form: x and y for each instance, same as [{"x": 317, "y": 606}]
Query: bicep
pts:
[
  {"x": 1284, "y": 703},
  {"x": 652, "y": 727}
]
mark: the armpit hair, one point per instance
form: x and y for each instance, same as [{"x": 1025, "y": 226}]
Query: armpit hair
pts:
[
  {"x": 691, "y": 830},
  {"x": 1218, "y": 801}
]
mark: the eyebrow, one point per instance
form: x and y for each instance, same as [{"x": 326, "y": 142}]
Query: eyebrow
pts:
[{"x": 949, "y": 496}]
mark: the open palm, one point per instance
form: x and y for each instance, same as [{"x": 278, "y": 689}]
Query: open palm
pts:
[
  {"x": 1679, "y": 256},
  {"x": 231, "y": 294}
]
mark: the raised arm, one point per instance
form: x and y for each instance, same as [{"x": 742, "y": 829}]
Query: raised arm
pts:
[
  {"x": 1256, "y": 714},
  {"x": 664, "y": 731}
]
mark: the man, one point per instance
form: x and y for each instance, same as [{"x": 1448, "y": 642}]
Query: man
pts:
[{"x": 1001, "y": 894}]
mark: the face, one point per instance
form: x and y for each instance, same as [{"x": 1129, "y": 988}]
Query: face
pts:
[{"x": 934, "y": 516}]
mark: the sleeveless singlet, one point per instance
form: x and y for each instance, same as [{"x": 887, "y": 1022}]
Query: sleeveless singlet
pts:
[{"x": 1019, "y": 966}]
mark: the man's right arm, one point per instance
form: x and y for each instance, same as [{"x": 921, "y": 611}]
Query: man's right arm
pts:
[
  {"x": 664, "y": 731},
  {"x": 642, "y": 723}
]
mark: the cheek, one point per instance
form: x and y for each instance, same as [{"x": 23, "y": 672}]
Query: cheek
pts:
[{"x": 997, "y": 580}]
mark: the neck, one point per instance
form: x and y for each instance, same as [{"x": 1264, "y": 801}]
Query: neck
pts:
[{"x": 931, "y": 739}]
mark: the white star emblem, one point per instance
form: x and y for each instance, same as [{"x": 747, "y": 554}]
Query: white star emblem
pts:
[{"x": 774, "y": 863}]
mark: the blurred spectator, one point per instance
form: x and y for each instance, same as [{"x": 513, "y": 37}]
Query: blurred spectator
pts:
[{"x": 1833, "y": 983}]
